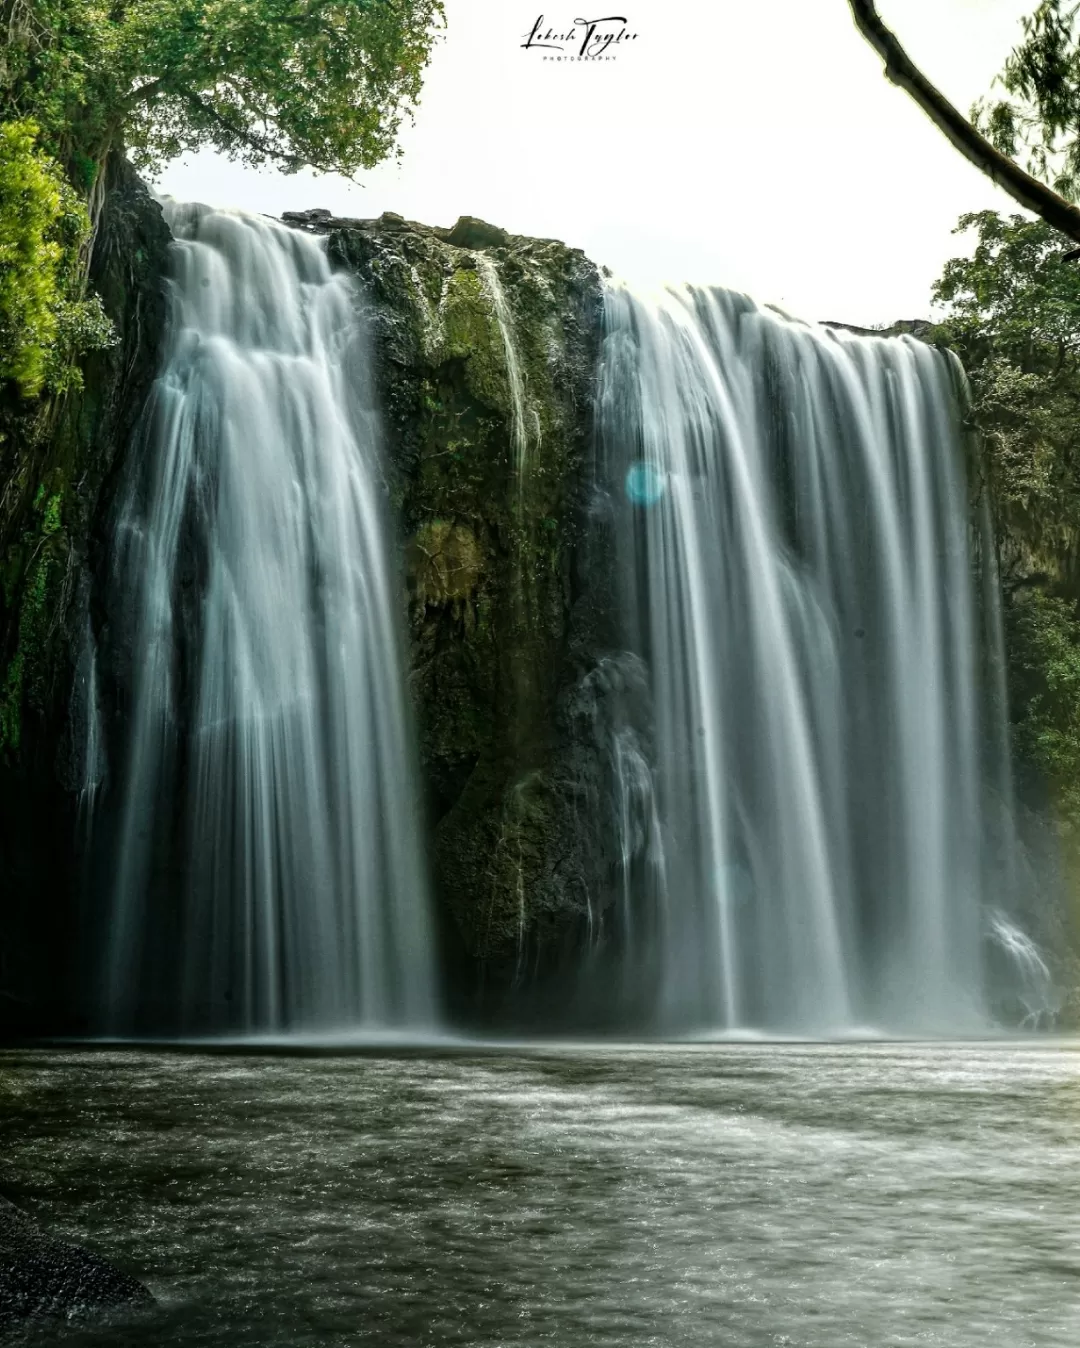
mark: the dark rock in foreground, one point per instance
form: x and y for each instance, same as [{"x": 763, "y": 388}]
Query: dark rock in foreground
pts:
[{"x": 42, "y": 1278}]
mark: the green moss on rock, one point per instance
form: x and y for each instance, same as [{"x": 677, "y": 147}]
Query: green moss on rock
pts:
[{"x": 444, "y": 563}]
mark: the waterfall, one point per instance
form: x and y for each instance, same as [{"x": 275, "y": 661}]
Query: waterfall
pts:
[
  {"x": 791, "y": 518},
  {"x": 266, "y": 873}
]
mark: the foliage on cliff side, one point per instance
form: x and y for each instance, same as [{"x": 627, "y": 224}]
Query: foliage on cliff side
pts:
[
  {"x": 45, "y": 319},
  {"x": 320, "y": 83},
  {"x": 1013, "y": 315},
  {"x": 1045, "y": 678}
]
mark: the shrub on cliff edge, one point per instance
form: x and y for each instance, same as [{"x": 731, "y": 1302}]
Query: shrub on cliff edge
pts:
[{"x": 46, "y": 321}]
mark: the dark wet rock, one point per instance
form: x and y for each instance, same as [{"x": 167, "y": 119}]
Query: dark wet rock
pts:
[
  {"x": 921, "y": 328},
  {"x": 472, "y": 233},
  {"x": 42, "y": 1278},
  {"x": 303, "y": 219}
]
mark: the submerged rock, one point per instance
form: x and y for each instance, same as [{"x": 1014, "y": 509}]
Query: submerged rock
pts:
[{"x": 42, "y": 1278}]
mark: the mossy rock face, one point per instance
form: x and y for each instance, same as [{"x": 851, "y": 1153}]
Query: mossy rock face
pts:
[
  {"x": 485, "y": 349},
  {"x": 57, "y": 462}
]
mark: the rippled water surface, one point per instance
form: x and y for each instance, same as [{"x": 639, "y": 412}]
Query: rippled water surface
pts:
[{"x": 746, "y": 1194}]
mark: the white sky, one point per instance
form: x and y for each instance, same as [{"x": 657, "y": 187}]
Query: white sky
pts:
[{"x": 751, "y": 143}]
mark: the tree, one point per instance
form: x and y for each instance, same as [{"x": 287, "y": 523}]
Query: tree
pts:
[
  {"x": 1044, "y": 72},
  {"x": 1014, "y": 293},
  {"x": 319, "y": 83}
]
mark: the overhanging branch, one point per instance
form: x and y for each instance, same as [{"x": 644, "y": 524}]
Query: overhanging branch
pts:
[{"x": 1029, "y": 192}]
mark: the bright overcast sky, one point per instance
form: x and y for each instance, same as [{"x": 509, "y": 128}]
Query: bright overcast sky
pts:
[{"x": 752, "y": 143}]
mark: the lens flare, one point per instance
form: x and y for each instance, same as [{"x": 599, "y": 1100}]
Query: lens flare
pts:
[{"x": 645, "y": 484}]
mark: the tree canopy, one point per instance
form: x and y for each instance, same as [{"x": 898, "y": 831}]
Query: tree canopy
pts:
[
  {"x": 1015, "y": 292},
  {"x": 319, "y": 83},
  {"x": 1013, "y": 314},
  {"x": 293, "y": 83}
]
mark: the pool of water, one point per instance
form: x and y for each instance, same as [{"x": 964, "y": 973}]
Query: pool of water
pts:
[{"x": 750, "y": 1194}]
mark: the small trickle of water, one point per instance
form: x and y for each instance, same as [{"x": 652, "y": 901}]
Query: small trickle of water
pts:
[
  {"x": 93, "y": 757},
  {"x": 519, "y": 411},
  {"x": 637, "y": 822},
  {"x": 1034, "y": 985},
  {"x": 431, "y": 331},
  {"x": 267, "y": 873}
]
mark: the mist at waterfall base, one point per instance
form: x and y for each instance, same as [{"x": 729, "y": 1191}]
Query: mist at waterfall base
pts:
[
  {"x": 263, "y": 870},
  {"x": 806, "y": 764}
]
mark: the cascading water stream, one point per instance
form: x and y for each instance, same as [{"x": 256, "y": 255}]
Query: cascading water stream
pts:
[
  {"x": 489, "y": 275},
  {"x": 91, "y": 751},
  {"x": 267, "y": 873},
  {"x": 792, "y": 525},
  {"x": 1033, "y": 984}
]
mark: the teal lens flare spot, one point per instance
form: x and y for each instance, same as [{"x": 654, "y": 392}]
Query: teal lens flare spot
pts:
[{"x": 644, "y": 484}]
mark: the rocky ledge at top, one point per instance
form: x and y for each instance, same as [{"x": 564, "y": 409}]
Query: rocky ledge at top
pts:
[
  {"x": 467, "y": 233},
  {"x": 920, "y": 328}
]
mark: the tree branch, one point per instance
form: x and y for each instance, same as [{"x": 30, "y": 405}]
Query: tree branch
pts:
[
  {"x": 902, "y": 71},
  {"x": 145, "y": 93},
  {"x": 250, "y": 138}
]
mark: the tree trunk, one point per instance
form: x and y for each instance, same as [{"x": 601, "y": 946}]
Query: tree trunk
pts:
[{"x": 1022, "y": 187}]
